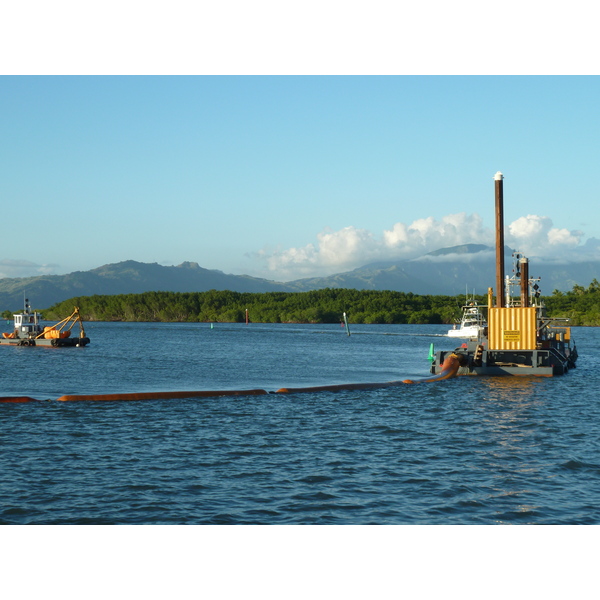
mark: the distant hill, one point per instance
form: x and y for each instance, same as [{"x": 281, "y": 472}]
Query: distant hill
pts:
[
  {"x": 466, "y": 249},
  {"x": 450, "y": 271},
  {"x": 128, "y": 277},
  {"x": 447, "y": 271},
  {"x": 396, "y": 277}
]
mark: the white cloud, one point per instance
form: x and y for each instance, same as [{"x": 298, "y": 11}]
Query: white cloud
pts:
[
  {"x": 10, "y": 268},
  {"x": 334, "y": 250},
  {"x": 425, "y": 235},
  {"x": 536, "y": 236},
  {"x": 350, "y": 247},
  {"x": 564, "y": 237},
  {"x": 588, "y": 251}
]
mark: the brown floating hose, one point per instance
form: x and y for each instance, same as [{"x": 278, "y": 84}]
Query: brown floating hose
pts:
[
  {"x": 450, "y": 367},
  {"x": 161, "y": 395},
  {"x": 18, "y": 399},
  {"x": 342, "y": 386}
]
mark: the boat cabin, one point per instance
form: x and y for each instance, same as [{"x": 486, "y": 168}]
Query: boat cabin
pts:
[{"x": 27, "y": 323}]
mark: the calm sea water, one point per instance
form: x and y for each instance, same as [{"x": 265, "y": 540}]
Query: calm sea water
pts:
[{"x": 462, "y": 451}]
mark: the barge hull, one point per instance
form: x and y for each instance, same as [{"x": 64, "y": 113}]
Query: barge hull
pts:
[
  {"x": 54, "y": 343},
  {"x": 526, "y": 363}
]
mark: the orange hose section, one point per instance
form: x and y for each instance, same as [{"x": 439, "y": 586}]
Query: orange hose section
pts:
[
  {"x": 17, "y": 399},
  {"x": 161, "y": 395},
  {"x": 342, "y": 386},
  {"x": 450, "y": 368}
]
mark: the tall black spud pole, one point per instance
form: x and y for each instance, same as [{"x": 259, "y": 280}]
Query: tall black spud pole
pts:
[{"x": 498, "y": 178}]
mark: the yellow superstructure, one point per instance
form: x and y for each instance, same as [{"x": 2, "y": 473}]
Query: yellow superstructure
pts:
[{"x": 512, "y": 328}]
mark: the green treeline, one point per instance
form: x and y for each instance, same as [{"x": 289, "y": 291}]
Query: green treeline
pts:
[
  {"x": 318, "y": 306},
  {"x": 581, "y": 305}
]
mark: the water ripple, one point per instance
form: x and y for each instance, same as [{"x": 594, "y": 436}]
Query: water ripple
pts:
[{"x": 466, "y": 451}]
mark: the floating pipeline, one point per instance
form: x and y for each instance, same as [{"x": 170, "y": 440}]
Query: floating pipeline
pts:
[
  {"x": 450, "y": 367},
  {"x": 139, "y": 396},
  {"x": 160, "y": 395},
  {"x": 339, "y": 387},
  {"x": 17, "y": 399}
]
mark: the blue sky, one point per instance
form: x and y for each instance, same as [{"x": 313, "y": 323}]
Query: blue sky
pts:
[{"x": 291, "y": 176}]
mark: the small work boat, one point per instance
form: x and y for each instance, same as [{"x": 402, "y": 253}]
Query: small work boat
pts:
[
  {"x": 29, "y": 332},
  {"x": 472, "y": 323}
]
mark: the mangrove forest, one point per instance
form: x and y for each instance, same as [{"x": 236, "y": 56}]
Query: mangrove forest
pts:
[{"x": 581, "y": 305}]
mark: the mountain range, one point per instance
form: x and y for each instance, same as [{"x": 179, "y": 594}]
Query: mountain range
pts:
[{"x": 449, "y": 271}]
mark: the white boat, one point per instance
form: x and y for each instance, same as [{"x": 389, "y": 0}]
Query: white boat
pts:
[{"x": 472, "y": 323}]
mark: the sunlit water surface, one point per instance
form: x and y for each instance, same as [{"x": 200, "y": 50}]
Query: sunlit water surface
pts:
[{"x": 462, "y": 451}]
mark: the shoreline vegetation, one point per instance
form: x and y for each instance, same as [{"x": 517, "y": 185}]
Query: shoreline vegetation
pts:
[{"x": 581, "y": 305}]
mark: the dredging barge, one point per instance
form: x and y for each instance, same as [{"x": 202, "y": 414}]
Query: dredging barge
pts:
[
  {"x": 28, "y": 330},
  {"x": 520, "y": 339}
]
